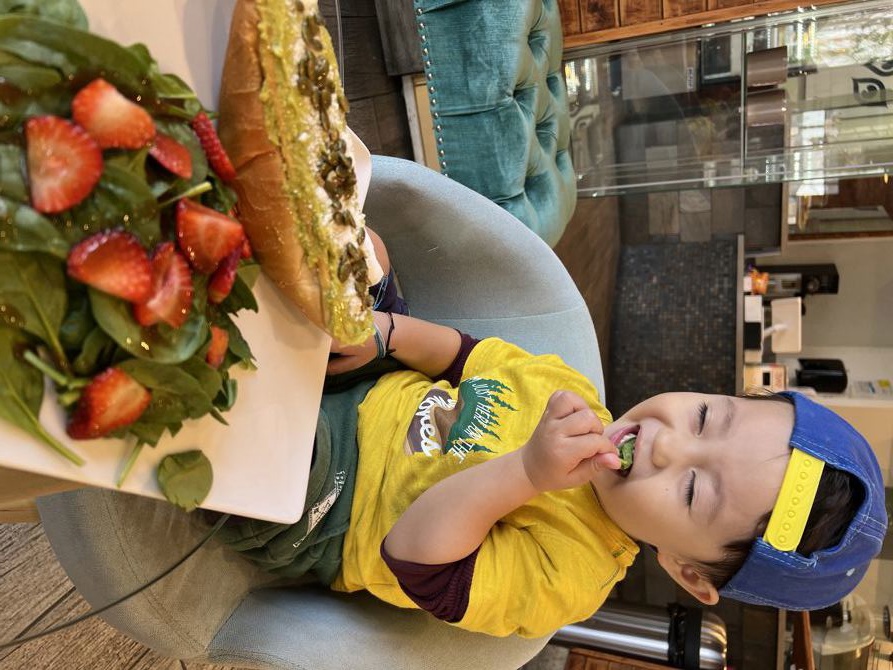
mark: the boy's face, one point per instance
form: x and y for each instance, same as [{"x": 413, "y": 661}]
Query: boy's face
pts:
[{"x": 707, "y": 468}]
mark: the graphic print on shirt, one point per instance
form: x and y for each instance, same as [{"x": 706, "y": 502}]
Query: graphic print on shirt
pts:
[{"x": 442, "y": 424}]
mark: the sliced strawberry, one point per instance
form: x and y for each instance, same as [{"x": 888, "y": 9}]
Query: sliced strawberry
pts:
[
  {"x": 224, "y": 277},
  {"x": 246, "y": 248},
  {"x": 171, "y": 295},
  {"x": 217, "y": 156},
  {"x": 64, "y": 163},
  {"x": 113, "y": 399},
  {"x": 113, "y": 261},
  {"x": 205, "y": 235},
  {"x": 172, "y": 155},
  {"x": 219, "y": 344},
  {"x": 111, "y": 119}
]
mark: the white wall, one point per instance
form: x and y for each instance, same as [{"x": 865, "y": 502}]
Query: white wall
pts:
[{"x": 861, "y": 314}]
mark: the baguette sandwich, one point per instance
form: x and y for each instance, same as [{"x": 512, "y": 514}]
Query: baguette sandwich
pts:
[{"x": 282, "y": 122}]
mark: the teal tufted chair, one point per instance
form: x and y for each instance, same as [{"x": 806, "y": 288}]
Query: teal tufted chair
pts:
[{"x": 499, "y": 104}]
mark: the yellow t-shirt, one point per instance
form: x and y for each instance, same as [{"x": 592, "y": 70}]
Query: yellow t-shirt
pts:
[{"x": 550, "y": 562}]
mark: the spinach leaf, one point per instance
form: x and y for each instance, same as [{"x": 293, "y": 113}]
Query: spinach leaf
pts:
[
  {"x": 25, "y": 229},
  {"x": 21, "y": 392},
  {"x": 159, "y": 343},
  {"x": 221, "y": 197},
  {"x": 78, "y": 321},
  {"x": 97, "y": 353},
  {"x": 241, "y": 296},
  {"x": 16, "y": 106},
  {"x": 185, "y": 478},
  {"x": 227, "y": 397},
  {"x": 12, "y": 173},
  {"x": 21, "y": 385},
  {"x": 176, "y": 395},
  {"x": 237, "y": 343},
  {"x": 121, "y": 199},
  {"x": 150, "y": 433},
  {"x": 171, "y": 88},
  {"x": 68, "y": 12},
  {"x": 133, "y": 162},
  {"x": 210, "y": 380},
  {"x": 25, "y": 76},
  {"x": 32, "y": 296},
  {"x": 79, "y": 56}
]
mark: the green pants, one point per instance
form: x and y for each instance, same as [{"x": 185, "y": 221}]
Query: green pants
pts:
[{"x": 310, "y": 549}]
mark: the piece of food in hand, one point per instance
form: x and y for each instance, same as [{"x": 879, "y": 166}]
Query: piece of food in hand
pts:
[
  {"x": 64, "y": 163},
  {"x": 214, "y": 151},
  {"x": 626, "y": 451},
  {"x": 219, "y": 344},
  {"x": 113, "y": 399},
  {"x": 221, "y": 282},
  {"x": 282, "y": 121},
  {"x": 170, "y": 299},
  {"x": 111, "y": 119},
  {"x": 205, "y": 235},
  {"x": 113, "y": 261},
  {"x": 172, "y": 155}
]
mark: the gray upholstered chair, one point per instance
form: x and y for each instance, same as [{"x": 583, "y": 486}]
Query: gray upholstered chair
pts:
[{"x": 462, "y": 260}]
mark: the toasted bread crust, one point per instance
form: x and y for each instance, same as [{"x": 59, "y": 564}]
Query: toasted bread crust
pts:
[{"x": 296, "y": 246}]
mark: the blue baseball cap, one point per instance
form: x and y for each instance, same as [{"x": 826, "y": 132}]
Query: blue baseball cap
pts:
[{"x": 774, "y": 573}]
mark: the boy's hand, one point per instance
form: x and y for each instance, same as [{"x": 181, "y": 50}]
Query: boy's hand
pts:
[
  {"x": 350, "y": 357},
  {"x": 567, "y": 446}
]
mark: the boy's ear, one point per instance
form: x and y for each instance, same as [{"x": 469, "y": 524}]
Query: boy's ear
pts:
[{"x": 687, "y": 576}]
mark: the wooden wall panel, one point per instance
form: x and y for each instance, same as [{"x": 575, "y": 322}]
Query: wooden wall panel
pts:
[
  {"x": 644, "y": 17},
  {"x": 723, "y": 4},
  {"x": 634, "y": 12},
  {"x": 683, "y": 7},
  {"x": 570, "y": 16},
  {"x": 599, "y": 14}
]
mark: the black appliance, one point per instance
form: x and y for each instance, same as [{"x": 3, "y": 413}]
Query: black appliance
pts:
[
  {"x": 790, "y": 281},
  {"x": 825, "y": 375}
]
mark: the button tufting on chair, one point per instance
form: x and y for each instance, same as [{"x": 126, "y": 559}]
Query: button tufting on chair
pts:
[{"x": 496, "y": 88}]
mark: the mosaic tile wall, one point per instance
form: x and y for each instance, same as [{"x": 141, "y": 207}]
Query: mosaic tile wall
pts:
[{"x": 674, "y": 321}]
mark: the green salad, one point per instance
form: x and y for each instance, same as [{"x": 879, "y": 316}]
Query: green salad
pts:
[{"x": 121, "y": 260}]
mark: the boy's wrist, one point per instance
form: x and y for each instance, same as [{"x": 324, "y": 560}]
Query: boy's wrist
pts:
[{"x": 530, "y": 468}]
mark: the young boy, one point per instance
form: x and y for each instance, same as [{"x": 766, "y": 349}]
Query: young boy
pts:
[{"x": 487, "y": 489}]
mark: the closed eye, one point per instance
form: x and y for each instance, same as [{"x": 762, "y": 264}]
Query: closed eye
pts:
[
  {"x": 690, "y": 491},
  {"x": 702, "y": 416}
]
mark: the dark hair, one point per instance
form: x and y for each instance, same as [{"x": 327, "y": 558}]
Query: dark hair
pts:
[{"x": 837, "y": 500}]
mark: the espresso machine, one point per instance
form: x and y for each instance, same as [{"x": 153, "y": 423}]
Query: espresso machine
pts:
[{"x": 790, "y": 281}]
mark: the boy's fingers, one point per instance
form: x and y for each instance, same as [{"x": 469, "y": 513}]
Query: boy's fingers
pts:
[
  {"x": 563, "y": 403},
  {"x": 609, "y": 460},
  {"x": 588, "y": 446},
  {"x": 589, "y": 466},
  {"x": 581, "y": 422}
]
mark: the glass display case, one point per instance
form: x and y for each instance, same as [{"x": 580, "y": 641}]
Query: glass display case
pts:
[{"x": 802, "y": 96}]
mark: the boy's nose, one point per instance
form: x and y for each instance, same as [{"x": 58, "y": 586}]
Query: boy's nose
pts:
[{"x": 668, "y": 447}]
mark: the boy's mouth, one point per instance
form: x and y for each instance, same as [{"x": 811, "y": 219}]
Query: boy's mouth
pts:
[{"x": 626, "y": 448}]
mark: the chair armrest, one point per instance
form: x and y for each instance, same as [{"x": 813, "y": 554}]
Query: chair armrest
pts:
[
  {"x": 110, "y": 543},
  {"x": 313, "y": 628}
]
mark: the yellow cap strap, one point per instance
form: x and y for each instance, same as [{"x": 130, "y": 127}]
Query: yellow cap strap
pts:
[{"x": 798, "y": 489}]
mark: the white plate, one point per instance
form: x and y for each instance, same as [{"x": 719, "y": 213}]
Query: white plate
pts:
[{"x": 262, "y": 459}]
